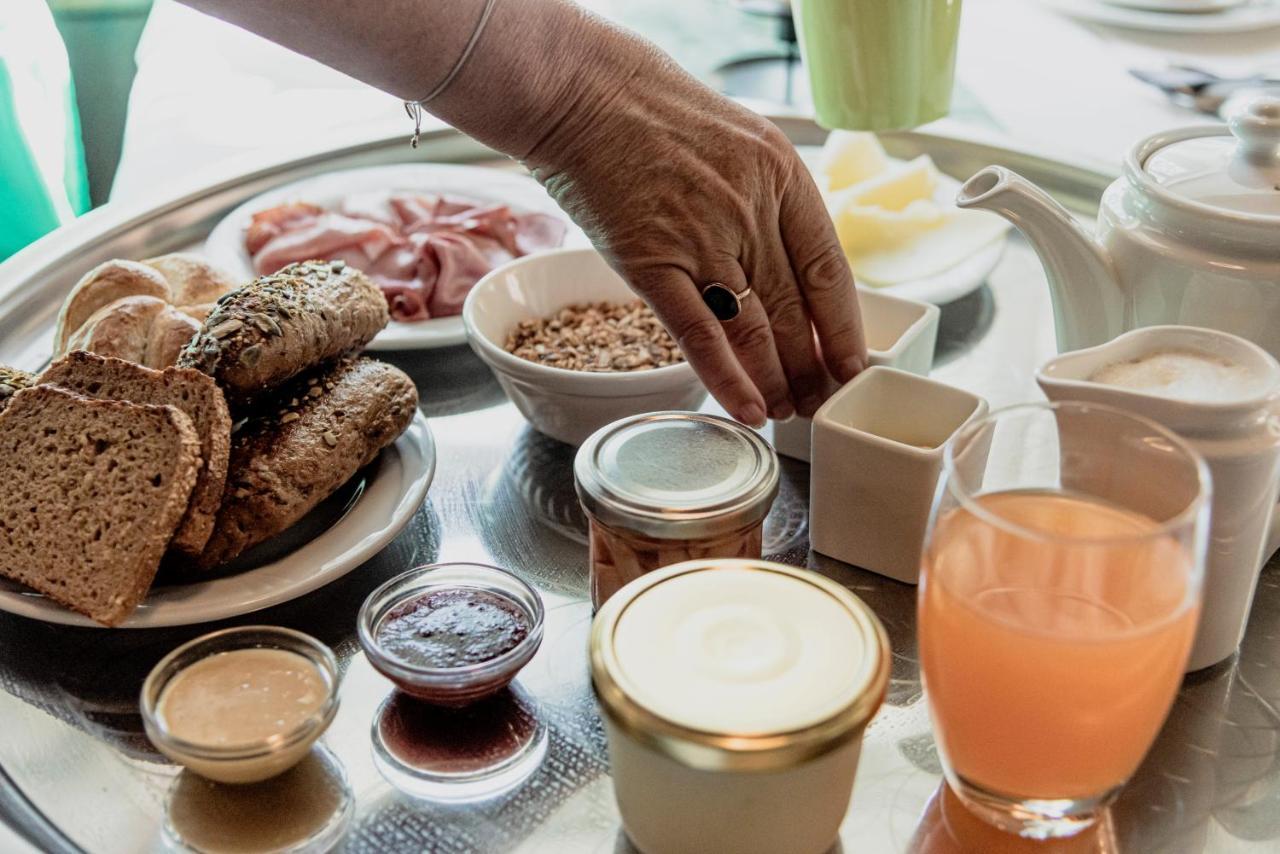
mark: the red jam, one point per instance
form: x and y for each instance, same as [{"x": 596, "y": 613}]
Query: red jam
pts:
[{"x": 452, "y": 628}]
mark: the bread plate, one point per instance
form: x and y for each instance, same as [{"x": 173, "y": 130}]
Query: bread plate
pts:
[
  {"x": 346, "y": 530},
  {"x": 225, "y": 244}
]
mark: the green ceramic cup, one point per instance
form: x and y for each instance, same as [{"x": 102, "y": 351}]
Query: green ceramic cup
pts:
[{"x": 879, "y": 64}]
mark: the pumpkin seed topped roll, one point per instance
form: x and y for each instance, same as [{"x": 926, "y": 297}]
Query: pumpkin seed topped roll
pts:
[
  {"x": 13, "y": 381},
  {"x": 277, "y": 326}
]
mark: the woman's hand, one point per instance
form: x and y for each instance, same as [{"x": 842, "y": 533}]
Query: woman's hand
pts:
[{"x": 680, "y": 187}]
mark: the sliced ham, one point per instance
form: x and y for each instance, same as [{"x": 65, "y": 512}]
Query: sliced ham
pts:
[
  {"x": 323, "y": 237},
  {"x": 407, "y": 301},
  {"x": 275, "y": 221},
  {"x": 425, "y": 251},
  {"x": 451, "y": 264}
]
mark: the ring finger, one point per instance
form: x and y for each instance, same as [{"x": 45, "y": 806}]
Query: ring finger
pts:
[{"x": 751, "y": 338}]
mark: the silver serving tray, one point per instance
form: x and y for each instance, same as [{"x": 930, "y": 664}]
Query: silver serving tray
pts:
[{"x": 76, "y": 773}]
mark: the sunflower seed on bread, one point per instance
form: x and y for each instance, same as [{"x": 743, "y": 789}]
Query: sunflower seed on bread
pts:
[
  {"x": 13, "y": 381},
  {"x": 263, "y": 333},
  {"x": 296, "y": 448}
]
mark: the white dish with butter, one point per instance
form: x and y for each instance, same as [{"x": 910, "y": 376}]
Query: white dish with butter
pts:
[
  {"x": 381, "y": 500},
  {"x": 898, "y": 223}
]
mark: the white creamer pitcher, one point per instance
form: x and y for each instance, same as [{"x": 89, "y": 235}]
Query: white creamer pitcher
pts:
[{"x": 1239, "y": 437}]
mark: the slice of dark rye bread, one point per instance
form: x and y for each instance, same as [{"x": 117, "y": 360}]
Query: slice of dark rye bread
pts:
[
  {"x": 90, "y": 494},
  {"x": 192, "y": 392}
]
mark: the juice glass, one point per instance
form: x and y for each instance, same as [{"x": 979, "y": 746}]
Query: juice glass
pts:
[{"x": 1059, "y": 595}]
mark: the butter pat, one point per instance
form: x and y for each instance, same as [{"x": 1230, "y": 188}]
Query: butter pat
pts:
[
  {"x": 961, "y": 235},
  {"x": 893, "y": 190},
  {"x": 849, "y": 158},
  {"x": 870, "y": 229}
]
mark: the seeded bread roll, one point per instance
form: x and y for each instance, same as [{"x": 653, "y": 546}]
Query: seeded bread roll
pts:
[
  {"x": 288, "y": 457},
  {"x": 90, "y": 493},
  {"x": 13, "y": 381},
  {"x": 278, "y": 326}
]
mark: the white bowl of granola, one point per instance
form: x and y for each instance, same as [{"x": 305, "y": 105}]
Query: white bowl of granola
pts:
[{"x": 569, "y": 308}]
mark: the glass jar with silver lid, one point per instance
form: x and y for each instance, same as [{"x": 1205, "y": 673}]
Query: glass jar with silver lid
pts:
[{"x": 667, "y": 487}]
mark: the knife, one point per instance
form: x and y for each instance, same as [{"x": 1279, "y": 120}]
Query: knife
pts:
[{"x": 1203, "y": 90}]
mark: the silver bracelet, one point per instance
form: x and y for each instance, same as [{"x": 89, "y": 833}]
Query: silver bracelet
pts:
[{"x": 414, "y": 108}]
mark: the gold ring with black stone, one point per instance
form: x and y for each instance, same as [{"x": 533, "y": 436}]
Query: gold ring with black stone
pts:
[{"x": 724, "y": 302}]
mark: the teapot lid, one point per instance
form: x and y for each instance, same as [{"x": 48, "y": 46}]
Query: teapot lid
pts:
[{"x": 1237, "y": 172}]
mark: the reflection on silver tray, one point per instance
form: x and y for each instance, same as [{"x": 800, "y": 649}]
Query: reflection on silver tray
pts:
[{"x": 77, "y": 772}]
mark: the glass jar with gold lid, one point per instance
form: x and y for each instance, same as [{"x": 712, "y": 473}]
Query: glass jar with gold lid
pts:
[
  {"x": 734, "y": 695},
  {"x": 667, "y": 487}
]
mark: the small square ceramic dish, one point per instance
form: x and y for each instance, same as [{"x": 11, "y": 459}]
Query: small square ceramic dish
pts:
[
  {"x": 877, "y": 453},
  {"x": 901, "y": 333}
]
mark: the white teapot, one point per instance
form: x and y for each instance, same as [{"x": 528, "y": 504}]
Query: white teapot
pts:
[{"x": 1190, "y": 234}]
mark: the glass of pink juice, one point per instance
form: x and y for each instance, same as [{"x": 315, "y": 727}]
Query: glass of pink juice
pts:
[{"x": 1058, "y": 600}]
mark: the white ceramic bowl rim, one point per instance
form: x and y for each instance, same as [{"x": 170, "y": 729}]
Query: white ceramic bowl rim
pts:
[{"x": 586, "y": 383}]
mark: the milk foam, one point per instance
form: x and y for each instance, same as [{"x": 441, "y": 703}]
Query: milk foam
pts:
[{"x": 1184, "y": 375}]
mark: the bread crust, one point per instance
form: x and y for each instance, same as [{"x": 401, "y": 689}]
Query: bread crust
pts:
[
  {"x": 292, "y": 454},
  {"x": 171, "y": 330},
  {"x": 55, "y": 566},
  {"x": 278, "y": 326},
  {"x": 192, "y": 279},
  {"x": 101, "y": 286},
  {"x": 121, "y": 329},
  {"x": 194, "y": 393}
]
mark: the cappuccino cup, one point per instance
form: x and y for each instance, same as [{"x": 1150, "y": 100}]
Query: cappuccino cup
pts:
[{"x": 1222, "y": 394}]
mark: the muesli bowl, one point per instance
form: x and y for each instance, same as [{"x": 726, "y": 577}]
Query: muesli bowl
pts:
[{"x": 568, "y": 405}]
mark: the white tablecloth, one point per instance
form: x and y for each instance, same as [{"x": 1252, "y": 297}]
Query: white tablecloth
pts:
[{"x": 207, "y": 93}]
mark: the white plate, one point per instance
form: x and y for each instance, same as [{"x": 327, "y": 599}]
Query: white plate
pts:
[
  {"x": 949, "y": 285},
  {"x": 382, "y": 499},
  {"x": 1182, "y": 6},
  {"x": 225, "y": 245},
  {"x": 1243, "y": 18},
  {"x": 960, "y": 280}
]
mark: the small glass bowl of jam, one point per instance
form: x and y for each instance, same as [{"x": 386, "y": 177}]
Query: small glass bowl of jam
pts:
[{"x": 451, "y": 633}]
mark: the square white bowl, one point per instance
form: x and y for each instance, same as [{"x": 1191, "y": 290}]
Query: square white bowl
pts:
[
  {"x": 901, "y": 333},
  {"x": 877, "y": 452}
]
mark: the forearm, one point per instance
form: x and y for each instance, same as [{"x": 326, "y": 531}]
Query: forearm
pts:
[{"x": 527, "y": 72}]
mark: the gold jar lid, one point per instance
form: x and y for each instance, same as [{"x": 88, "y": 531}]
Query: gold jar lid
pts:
[
  {"x": 676, "y": 475},
  {"x": 749, "y": 739}
]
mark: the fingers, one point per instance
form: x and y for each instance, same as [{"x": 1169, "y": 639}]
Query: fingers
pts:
[
  {"x": 702, "y": 339},
  {"x": 792, "y": 333},
  {"x": 752, "y": 340},
  {"x": 823, "y": 275}
]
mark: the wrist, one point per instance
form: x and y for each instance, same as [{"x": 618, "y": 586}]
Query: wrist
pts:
[{"x": 539, "y": 71}]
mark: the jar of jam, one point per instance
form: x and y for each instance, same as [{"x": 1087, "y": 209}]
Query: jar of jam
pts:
[{"x": 667, "y": 487}]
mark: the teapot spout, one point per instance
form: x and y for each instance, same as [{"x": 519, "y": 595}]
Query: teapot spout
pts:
[{"x": 1088, "y": 303}]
